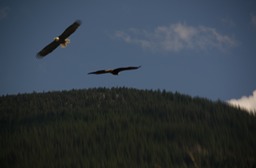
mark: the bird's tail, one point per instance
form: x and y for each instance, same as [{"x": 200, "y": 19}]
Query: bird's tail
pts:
[{"x": 63, "y": 45}]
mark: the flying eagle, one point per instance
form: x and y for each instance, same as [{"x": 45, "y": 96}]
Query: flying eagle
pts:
[
  {"x": 60, "y": 40},
  {"x": 114, "y": 71}
]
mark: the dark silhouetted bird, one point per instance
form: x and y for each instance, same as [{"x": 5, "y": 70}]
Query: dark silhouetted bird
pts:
[
  {"x": 60, "y": 40},
  {"x": 114, "y": 71}
]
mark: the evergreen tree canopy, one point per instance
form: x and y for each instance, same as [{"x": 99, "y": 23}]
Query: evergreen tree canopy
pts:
[{"x": 123, "y": 127}]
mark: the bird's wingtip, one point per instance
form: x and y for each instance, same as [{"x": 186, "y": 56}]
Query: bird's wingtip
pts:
[
  {"x": 39, "y": 56},
  {"x": 78, "y": 21}
]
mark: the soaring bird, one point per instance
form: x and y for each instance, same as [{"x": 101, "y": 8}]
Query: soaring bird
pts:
[
  {"x": 60, "y": 40},
  {"x": 114, "y": 71}
]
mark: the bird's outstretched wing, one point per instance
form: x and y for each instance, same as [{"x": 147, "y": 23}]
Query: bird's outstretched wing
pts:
[
  {"x": 100, "y": 72},
  {"x": 70, "y": 30},
  {"x": 48, "y": 49},
  {"x": 117, "y": 70}
]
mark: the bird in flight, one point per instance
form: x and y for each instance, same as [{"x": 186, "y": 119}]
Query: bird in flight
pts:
[
  {"x": 114, "y": 71},
  {"x": 60, "y": 40}
]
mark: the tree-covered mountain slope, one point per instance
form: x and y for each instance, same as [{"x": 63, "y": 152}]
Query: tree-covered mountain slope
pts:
[{"x": 123, "y": 127}]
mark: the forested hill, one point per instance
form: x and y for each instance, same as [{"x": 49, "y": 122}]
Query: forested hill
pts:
[{"x": 123, "y": 127}]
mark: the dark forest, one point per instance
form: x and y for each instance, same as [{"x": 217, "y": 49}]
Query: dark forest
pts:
[{"x": 123, "y": 127}]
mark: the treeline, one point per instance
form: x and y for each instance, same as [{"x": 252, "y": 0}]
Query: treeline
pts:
[{"x": 123, "y": 127}]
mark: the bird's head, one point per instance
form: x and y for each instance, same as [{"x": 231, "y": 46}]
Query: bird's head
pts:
[{"x": 56, "y": 38}]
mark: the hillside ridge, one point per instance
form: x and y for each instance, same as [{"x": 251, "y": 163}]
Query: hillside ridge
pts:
[{"x": 123, "y": 127}]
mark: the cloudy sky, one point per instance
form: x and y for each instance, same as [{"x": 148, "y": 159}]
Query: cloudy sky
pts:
[{"x": 196, "y": 47}]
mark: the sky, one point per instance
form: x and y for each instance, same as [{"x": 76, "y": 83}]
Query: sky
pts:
[{"x": 202, "y": 48}]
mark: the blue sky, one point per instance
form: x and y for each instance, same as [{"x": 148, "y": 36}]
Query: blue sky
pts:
[{"x": 200, "y": 48}]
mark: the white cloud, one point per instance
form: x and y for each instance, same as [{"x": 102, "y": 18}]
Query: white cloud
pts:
[
  {"x": 253, "y": 20},
  {"x": 248, "y": 103},
  {"x": 3, "y": 12},
  {"x": 177, "y": 37}
]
